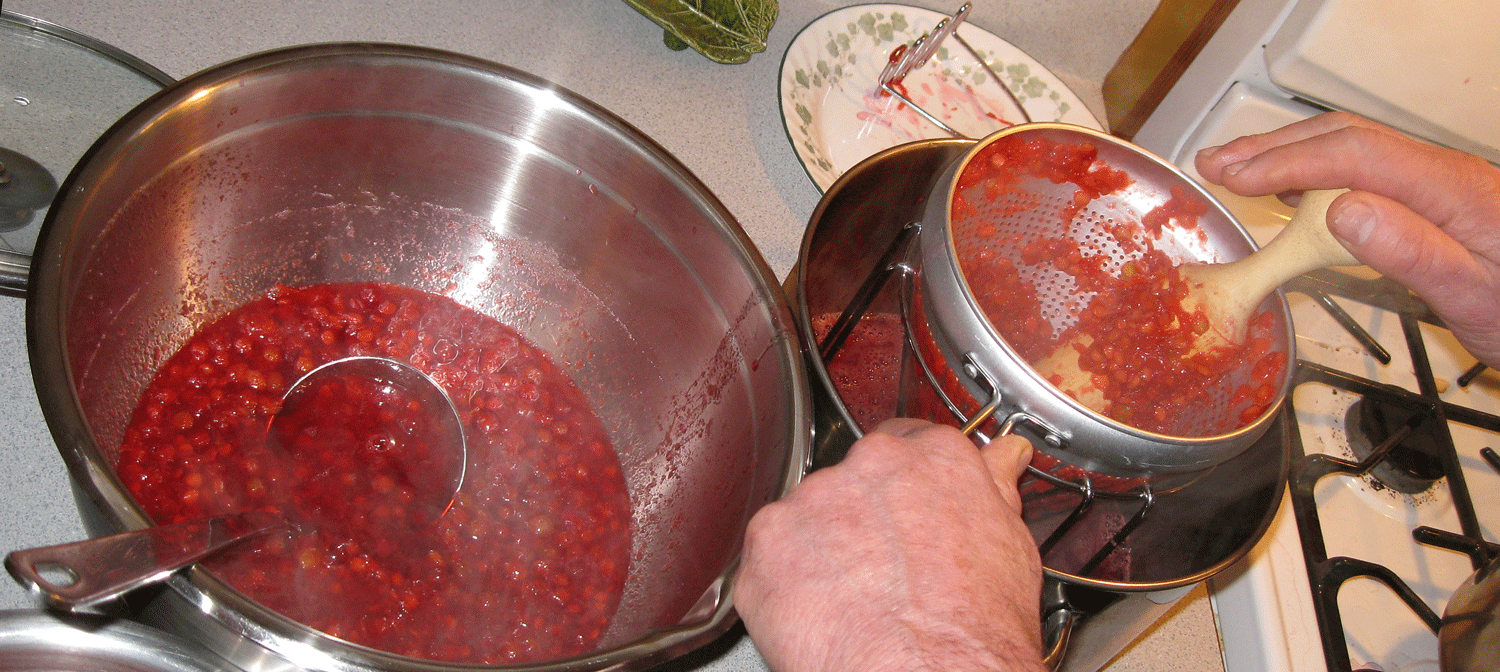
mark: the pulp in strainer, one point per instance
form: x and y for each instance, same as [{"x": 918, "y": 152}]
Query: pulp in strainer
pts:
[{"x": 1064, "y": 253}]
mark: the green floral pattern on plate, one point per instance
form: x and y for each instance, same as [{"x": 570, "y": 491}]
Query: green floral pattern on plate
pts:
[{"x": 843, "y": 52}]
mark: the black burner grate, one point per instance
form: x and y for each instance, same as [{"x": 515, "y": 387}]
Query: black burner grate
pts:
[{"x": 1423, "y": 411}]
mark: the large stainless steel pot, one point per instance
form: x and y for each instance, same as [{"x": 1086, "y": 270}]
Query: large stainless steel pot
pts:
[
  {"x": 972, "y": 346},
  {"x": 365, "y": 162},
  {"x": 33, "y": 640}
]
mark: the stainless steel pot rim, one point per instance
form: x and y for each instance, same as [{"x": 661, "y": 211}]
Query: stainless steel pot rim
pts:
[
  {"x": 95, "y": 644},
  {"x": 713, "y": 615},
  {"x": 293, "y": 641}
]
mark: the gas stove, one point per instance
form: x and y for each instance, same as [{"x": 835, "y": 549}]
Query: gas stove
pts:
[
  {"x": 1358, "y": 564},
  {"x": 1391, "y": 499}
]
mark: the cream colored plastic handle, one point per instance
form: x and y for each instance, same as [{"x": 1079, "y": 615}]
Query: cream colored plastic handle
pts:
[{"x": 1304, "y": 245}]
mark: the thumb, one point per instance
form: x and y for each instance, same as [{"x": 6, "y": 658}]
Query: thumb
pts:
[
  {"x": 1458, "y": 284},
  {"x": 1006, "y": 458},
  {"x": 1398, "y": 243}
]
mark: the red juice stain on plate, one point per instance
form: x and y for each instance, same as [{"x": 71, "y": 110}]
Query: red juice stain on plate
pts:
[{"x": 529, "y": 563}]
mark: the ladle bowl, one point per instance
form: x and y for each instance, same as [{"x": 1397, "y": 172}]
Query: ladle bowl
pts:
[
  {"x": 82, "y": 575},
  {"x": 378, "y": 418}
]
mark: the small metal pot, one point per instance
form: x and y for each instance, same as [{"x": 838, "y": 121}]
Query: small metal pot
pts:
[
  {"x": 1192, "y": 533},
  {"x": 447, "y": 174},
  {"x": 1469, "y": 638},
  {"x": 992, "y": 370}
]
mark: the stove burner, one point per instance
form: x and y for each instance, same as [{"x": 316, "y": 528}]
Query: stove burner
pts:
[
  {"x": 1405, "y": 445},
  {"x": 25, "y": 187}
]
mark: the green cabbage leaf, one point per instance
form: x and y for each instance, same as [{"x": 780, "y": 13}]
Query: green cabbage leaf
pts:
[{"x": 726, "y": 31}]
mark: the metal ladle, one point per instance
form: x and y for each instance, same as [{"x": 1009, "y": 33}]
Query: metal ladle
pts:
[{"x": 82, "y": 575}]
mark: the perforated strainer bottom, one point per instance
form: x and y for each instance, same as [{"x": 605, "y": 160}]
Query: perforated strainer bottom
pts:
[{"x": 1043, "y": 230}]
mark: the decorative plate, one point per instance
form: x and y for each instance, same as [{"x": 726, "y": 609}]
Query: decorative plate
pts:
[{"x": 836, "y": 115}]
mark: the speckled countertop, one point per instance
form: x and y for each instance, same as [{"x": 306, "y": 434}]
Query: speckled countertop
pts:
[{"x": 699, "y": 111}]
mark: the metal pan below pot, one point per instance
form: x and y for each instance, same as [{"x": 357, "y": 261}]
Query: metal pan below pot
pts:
[{"x": 37, "y": 640}]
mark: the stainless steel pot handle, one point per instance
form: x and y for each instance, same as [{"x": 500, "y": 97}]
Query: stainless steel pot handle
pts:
[
  {"x": 81, "y": 575},
  {"x": 1052, "y": 658},
  {"x": 1061, "y": 617},
  {"x": 1064, "y": 617}
]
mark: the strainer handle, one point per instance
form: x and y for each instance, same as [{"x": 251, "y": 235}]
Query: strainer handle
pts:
[
  {"x": 983, "y": 415},
  {"x": 977, "y": 372}
]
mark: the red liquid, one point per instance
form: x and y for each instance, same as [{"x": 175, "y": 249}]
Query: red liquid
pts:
[
  {"x": 866, "y": 371},
  {"x": 367, "y": 460},
  {"x": 529, "y": 563}
]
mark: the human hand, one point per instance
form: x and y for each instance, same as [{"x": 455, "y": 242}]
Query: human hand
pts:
[
  {"x": 1424, "y": 216},
  {"x": 908, "y": 555}
]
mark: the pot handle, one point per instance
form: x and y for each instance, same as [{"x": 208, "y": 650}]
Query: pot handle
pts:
[
  {"x": 1065, "y": 618},
  {"x": 984, "y": 414},
  {"x": 1058, "y": 620},
  {"x": 1062, "y": 617},
  {"x": 81, "y": 575}
]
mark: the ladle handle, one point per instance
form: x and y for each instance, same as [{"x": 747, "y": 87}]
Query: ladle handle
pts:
[{"x": 83, "y": 574}]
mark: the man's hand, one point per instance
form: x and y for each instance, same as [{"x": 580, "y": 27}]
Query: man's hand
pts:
[
  {"x": 908, "y": 555},
  {"x": 1424, "y": 216}
]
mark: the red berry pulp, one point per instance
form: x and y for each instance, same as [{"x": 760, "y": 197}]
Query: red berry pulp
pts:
[
  {"x": 1135, "y": 339},
  {"x": 528, "y": 564}
]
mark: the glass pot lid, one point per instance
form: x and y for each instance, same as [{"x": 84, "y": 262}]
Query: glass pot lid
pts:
[{"x": 59, "y": 91}]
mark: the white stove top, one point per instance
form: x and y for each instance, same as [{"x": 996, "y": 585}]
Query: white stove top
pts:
[
  {"x": 1363, "y": 519},
  {"x": 1264, "y": 607}
]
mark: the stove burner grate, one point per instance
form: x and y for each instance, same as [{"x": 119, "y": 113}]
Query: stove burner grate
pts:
[
  {"x": 1410, "y": 447},
  {"x": 1398, "y": 454}
]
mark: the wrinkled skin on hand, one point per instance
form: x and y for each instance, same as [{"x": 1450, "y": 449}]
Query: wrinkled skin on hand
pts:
[
  {"x": 908, "y": 555},
  {"x": 1425, "y": 216}
]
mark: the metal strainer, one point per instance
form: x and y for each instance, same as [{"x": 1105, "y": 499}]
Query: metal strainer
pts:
[{"x": 1035, "y": 211}]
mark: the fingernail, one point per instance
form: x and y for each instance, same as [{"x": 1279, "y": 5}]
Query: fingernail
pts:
[
  {"x": 1234, "y": 167},
  {"x": 1209, "y": 151},
  {"x": 1355, "y": 223},
  {"x": 1023, "y": 458}
]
